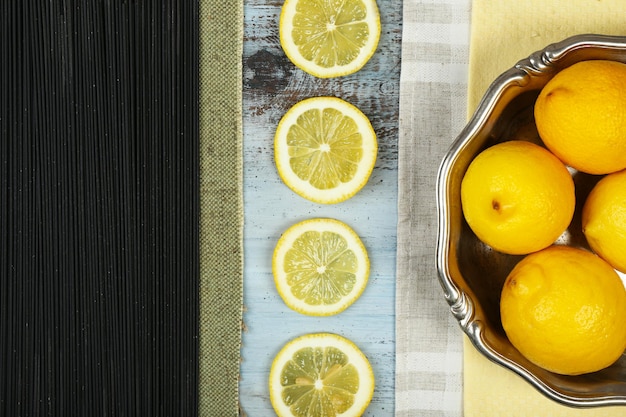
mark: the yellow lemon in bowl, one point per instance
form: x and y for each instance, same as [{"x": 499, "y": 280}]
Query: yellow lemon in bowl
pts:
[
  {"x": 564, "y": 309},
  {"x": 604, "y": 219},
  {"x": 581, "y": 116},
  {"x": 517, "y": 197}
]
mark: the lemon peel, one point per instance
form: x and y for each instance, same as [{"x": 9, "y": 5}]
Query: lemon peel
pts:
[
  {"x": 581, "y": 116},
  {"x": 604, "y": 219},
  {"x": 517, "y": 197},
  {"x": 564, "y": 309}
]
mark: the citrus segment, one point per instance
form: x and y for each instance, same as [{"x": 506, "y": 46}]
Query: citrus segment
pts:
[
  {"x": 564, "y": 309},
  {"x": 319, "y": 375},
  {"x": 320, "y": 267},
  {"x": 604, "y": 219},
  {"x": 517, "y": 197},
  {"x": 329, "y": 38},
  {"x": 581, "y": 116},
  {"x": 325, "y": 149}
]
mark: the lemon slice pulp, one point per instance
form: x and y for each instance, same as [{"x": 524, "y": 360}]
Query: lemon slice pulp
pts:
[
  {"x": 329, "y": 38},
  {"x": 325, "y": 149},
  {"x": 319, "y": 375},
  {"x": 320, "y": 267}
]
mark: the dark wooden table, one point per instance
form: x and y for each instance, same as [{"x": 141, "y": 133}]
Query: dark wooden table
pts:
[{"x": 272, "y": 84}]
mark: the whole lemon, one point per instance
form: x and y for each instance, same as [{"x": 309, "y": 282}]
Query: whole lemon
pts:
[
  {"x": 581, "y": 116},
  {"x": 517, "y": 197},
  {"x": 604, "y": 219},
  {"x": 564, "y": 309}
]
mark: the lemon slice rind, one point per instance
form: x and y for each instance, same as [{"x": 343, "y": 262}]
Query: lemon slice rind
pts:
[
  {"x": 304, "y": 188},
  {"x": 361, "y": 398},
  {"x": 320, "y": 225},
  {"x": 286, "y": 27}
]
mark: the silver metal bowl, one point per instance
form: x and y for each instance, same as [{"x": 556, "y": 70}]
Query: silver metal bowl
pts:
[{"x": 470, "y": 272}]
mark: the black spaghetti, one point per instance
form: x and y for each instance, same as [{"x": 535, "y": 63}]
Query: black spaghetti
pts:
[{"x": 98, "y": 208}]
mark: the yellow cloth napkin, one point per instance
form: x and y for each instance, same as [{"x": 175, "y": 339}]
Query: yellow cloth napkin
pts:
[{"x": 503, "y": 32}]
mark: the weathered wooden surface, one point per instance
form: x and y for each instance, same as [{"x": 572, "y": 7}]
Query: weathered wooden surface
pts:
[{"x": 271, "y": 84}]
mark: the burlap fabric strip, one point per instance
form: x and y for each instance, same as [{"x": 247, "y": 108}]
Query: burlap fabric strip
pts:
[{"x": 221, "y": 206}]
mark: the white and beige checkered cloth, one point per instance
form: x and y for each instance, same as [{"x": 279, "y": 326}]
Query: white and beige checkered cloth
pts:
[{"x": 433, "y": 108}]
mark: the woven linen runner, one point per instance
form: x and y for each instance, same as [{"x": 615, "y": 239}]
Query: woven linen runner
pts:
[
  {"x": 502, "y": 33},
  {"x": 433, "y": 88},
  {"x": 221, "y": 206}
]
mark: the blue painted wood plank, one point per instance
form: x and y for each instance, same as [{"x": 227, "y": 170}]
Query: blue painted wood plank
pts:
[{"x": 271, "y": 85}]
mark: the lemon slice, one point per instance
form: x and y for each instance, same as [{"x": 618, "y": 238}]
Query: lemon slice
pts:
[
  {"x": 319, "y": 375},
  {"x": 329, "y": 38},
  {"x": 320, "y": 267},
  {"x": 325, "y": 149}
]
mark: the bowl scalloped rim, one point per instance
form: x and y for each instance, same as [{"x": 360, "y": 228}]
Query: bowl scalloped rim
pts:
[{"x": 534, "y": 69}]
